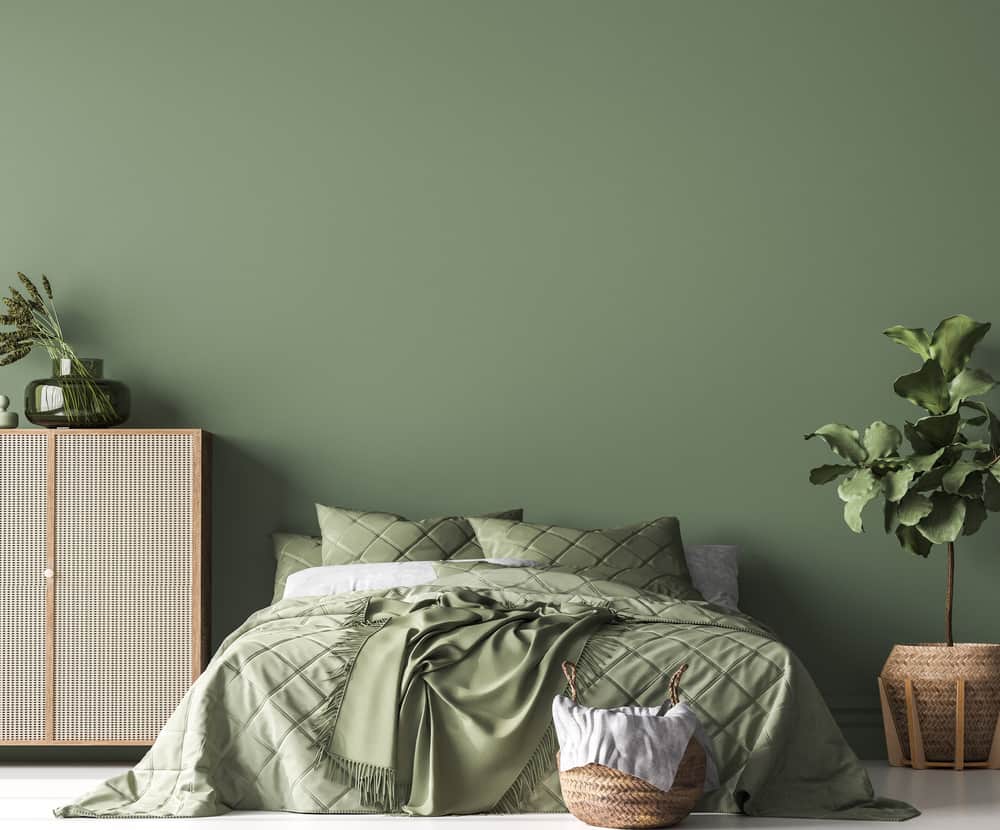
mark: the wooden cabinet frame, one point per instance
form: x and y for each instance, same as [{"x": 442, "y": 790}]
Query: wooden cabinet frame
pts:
[{"x": 200, "y": 571}]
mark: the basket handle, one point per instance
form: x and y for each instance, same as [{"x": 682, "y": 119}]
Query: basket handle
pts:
[
  {"x": 569, "y": 670},
  {"x": 675, "y": 685}
]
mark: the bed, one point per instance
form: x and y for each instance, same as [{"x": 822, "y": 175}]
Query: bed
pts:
[{"x": 434, "y": 698}]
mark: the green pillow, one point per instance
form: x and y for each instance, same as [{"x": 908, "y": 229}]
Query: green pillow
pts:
[
  {"x": 352, "y": 536},
  {"x": 294, "y": 553},
  {"x": 649, "y": 556}
]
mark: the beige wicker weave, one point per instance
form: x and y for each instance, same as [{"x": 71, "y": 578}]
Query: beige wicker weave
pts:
[
  {"x": 605, "y": 797},
  {"x": 103, "y": 582},
  {"x": 944, "y": 703}
]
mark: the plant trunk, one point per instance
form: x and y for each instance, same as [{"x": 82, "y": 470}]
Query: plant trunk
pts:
[{"x": 950, "y": 596}]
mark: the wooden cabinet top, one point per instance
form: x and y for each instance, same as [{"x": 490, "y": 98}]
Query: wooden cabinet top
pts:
[{"x": 101, "y": 431}]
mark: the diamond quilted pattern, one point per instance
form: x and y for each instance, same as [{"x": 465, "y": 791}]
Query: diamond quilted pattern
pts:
[
  {"x": 243, "y": 735},
  {"x": 351, "y": 536},
  {"x": 294, "y": 553},
  {"x": 648, "y": 555},
  {"x": 528, "y": 580}
]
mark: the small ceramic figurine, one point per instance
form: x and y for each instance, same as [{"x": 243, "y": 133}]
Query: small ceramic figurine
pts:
[{"x": 8, "y": 420}]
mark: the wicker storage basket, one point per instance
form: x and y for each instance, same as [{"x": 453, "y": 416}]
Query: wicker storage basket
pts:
[
  {"x": 943, "y": 703},
  {"x": 606, "y": 797}
]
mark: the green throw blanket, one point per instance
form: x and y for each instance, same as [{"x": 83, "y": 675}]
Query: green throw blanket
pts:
[
  {"x": 435, "y": 681},
  {"x": 436, "y": 700}
]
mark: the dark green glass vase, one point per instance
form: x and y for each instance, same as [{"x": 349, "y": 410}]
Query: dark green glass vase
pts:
[{"x": 77, "y": 395}]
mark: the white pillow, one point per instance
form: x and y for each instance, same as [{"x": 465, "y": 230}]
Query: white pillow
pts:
[
  {"x": 715, "y": 573},
  {"x": 375, "y": 576}
]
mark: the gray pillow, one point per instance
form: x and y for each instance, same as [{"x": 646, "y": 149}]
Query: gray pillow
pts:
[{"x": 715, "y": 573}]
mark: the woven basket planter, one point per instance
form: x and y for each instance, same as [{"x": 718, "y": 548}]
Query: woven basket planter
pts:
[
  {"x": 606, "y": 797},
  {"x": 940, "y": 705}
]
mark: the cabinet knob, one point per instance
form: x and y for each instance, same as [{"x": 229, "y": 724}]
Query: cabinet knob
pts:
[{"x": 48, "y": 573}]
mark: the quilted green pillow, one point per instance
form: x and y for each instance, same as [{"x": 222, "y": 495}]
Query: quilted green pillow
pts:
[
  {"x": 294, "y": 553},
  {"x": 351, "y": 536},
  {"x": 649, "y": 556}
]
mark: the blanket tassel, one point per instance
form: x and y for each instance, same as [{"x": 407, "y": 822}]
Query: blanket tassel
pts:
[
  {"x": 376, "y": 786},
  {"x": 356, "y": 636},
  {"x": 541, "y": 764},
  {"x": 543, "y": 760}
]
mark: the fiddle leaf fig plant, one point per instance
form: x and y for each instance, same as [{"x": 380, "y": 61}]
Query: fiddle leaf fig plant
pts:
[{"x": 948, "y": 481}]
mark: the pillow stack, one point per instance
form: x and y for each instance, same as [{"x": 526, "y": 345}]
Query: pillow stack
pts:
[
  {"x": 351, "y": 537},
  {"x": 649, "y": 556}
]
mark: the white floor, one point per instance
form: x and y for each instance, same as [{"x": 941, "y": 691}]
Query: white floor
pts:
[{"x": 949, "y": 801}]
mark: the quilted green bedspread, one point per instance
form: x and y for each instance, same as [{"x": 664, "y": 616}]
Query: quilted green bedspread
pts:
[{"x": 248, "y": 734}]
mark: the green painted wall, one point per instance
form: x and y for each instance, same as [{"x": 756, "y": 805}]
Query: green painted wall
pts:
[{"x": 605, "y": 260}]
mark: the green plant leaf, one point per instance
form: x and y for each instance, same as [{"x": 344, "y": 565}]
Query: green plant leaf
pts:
[
  {"x": 944, "y": 522},
  {"x": 922, "y": 463},
  {"x": 856, "y": 492},
  {"x": 975, "y": 515},
  {"x": 955, "y": 476},
  {"x": 852, "y": 513},
  {"x": 916, "y": 340},
  {"x": 969, "y": 382},
  {"x": 859, "y": 484},
  {"x": 931, "y": 480},
  {"x": 973, "y": 487},
  {"x": 991, "y": 495},
  {"x": 989, "y": 415},
  {"x": 896, "y": 483},
  {"x": 939, "y": 430},
  {"x": 913, "y": 541},
  {"x": 953, "y": 342},
  {"x": 974, "y": 446},
  {"x": 917, "y": 441},
  {"x": 825, "y": 473},
  {"x": 882, "y": 440},
  {"x": 913, "y": 507},
  {"x": 927, "y": 388},
  {"x": 978, "y": 405},
  {"x": 890, "y": 515},
  {"x": 843, "y": 440}
]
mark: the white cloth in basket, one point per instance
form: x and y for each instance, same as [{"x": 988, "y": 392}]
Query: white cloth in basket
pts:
[{"x": 633, "y": 739}]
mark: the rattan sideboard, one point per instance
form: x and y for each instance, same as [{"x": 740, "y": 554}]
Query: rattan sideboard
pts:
[{"x": 103, "y": 581}]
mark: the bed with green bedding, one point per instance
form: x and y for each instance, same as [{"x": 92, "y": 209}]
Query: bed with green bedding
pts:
[{"x": 436, "y": 699}]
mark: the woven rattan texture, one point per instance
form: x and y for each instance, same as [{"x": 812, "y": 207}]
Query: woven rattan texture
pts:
[
  {"x": 933, "y": 671},
  {"x": 22, "y": 586},
  {"x": 607, "y": 797},
  {"x": 123, "y": 583}
]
